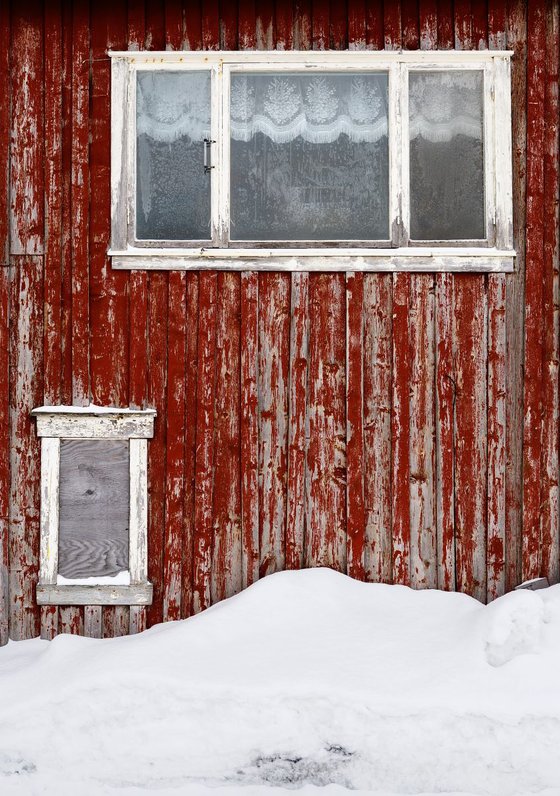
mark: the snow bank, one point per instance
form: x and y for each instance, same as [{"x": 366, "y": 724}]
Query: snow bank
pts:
[{"x": 306, "y": 679}]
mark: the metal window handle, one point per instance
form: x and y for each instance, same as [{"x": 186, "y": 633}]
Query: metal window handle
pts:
[{"x": 207, "y": 154}]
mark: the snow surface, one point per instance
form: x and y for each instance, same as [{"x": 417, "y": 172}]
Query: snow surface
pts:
[
  {"x": 120, "y": 579},
  {"x": 306, "y": 679}
]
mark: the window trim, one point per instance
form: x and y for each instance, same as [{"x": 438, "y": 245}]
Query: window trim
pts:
[
  {"x": 55, "y": 423},
  {"x": 495, "y": 253}
]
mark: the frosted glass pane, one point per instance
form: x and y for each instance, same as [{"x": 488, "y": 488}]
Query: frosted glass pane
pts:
[
  {"x": 309, "y": 157},
  {"x": 94, "y": 508},
  {"x": 446, "y": 155},
  {"x": 172, "y": 189}
]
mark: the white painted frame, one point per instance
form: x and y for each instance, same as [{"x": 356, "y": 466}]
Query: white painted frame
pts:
[
  {"x": 493, "y": 254},
  {"x": 69, "y": 422}
]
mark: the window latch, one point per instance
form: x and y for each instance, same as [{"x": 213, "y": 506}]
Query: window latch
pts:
[{"x": 207, "y": 155}]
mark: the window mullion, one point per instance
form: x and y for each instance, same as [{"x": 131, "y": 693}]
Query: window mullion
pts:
[
  {"x": 215, "y": 149},
  {"x": 398, "y": 142}
]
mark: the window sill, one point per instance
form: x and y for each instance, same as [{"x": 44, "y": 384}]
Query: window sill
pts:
[
  {"x": 412, "y": 259},
  {"x": 135, "y": 594}
]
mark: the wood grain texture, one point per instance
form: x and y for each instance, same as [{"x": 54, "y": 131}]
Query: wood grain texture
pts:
[
  {"x": 4, "y": 451},
  {"x": 175, "y": 453},
  {"x": 297, "y": 445},
  {"x": 94, "y": 508},
  {"x": 249, "y": 428},
  {"x": 26, "y": 160},
  {"x": 274, "y": 341},
  {"x": 26, "y": 389},
  {"x": 549, "y": 520},
  {"x": 355, "y": 488},
  {"x": 533, "y": 364},
  {"x": 5, "y": 125},
  {"x": 516, "y": 35},
  {"x": 326, "y": 452}
]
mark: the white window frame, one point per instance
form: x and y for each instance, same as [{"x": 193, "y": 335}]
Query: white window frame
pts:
[
  {"x": 494, "y": 254},
  {"x": 55, "y": 423}
]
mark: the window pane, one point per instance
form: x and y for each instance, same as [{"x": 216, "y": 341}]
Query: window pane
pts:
[
  {"x": 94, "y": 507},
  {"x": 309, "y": 157},
  {"x": 172, "y": 189},
  {"x": 446, "y": 155}
]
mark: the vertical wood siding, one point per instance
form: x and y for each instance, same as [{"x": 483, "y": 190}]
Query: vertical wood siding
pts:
[{"x": 401, "y": 428}]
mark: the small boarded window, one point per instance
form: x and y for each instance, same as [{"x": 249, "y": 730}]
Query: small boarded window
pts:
[
  {"x": 94, "y": 503},
  {"x": 94, "y": 509}
]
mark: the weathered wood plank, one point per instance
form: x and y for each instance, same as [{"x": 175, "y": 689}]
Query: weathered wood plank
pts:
[
  {"x": 4, "y": 450},
  {"x": 470, "y": 354},
  {"x": 93, "y": 621},
  {"x": 26, "y": 157},
  {"x": 400, "y": 431},
  {"x": 497, "y": 384},
  {"x": 136, "y": 24},
  {"x": 5, "y": 129},
  {"x": 226, "y": 554},
  {"x": 550, "y": 521},
  {"x": 284, "y": 16},
  {"x": 210, "y": 25},
  {"x": 375, "y": 39},
  {"x": 265, "y": 32},
  {"x": 66, "y": 276},
  {"x": 173, "y": 24},
  {"x": 72, "y": 596},
  {"x": 26, "y": 389},
  {"x": 302, "y": 25},
  {"x": 357, "y": 24},
  {"x": 496, "y": 437},
  {"x": 446, "y": 386},
  {"x": 423, "y": 535},
  {"x": 249, "y": 428},
  {"x": 157, "y": 388},
  {"x": 355, "y": 491},
  {"x": 109, "y": 299},
  {"x": 204, "y": 480},
  {"x": 297, "y": 445},
  {"x": 533, "y": 366},
  {"x": 71, "y": 620},
  {"x": 52, "y": 340},
  {"x": 228, "y": 26},
  {"x": 320, "y": 19},
  {"x": 80, "y": 192},
  {"x": 515, "y": 288},
  {"x": 175, "y": 452},
  {"x": 378, "y": 365},
  {"x": 326, "y": 452},
  {"x": 191, "y": 393},
  {"x": 274, "y": 341}
]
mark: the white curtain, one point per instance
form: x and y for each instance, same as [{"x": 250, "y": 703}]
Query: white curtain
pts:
[{"x": 443, "y": 105}]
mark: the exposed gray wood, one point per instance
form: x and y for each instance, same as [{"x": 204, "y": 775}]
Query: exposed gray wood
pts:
[
  {"x": 73, "y": 426},
  {"x": 94, "y": 508},
  {"x": 135, "y": 594},
  {"x": 93, "y": 625}
]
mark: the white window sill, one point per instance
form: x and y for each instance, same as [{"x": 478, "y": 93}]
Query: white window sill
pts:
[
  {"x": 135, "y": 594},
  {"x": 412, "y": 259}
]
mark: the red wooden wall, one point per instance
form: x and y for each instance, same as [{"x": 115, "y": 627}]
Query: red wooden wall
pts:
[{"x": 401, "y": 428}]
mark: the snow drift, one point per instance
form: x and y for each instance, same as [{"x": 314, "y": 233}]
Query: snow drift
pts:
[{"x": 306, "y": 679}]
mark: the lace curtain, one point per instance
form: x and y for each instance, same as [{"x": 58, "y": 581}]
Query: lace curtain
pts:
[{"x": 446, "y": 155}]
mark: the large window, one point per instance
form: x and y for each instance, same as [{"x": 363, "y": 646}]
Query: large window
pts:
[{"x": 356, "y": 160}]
